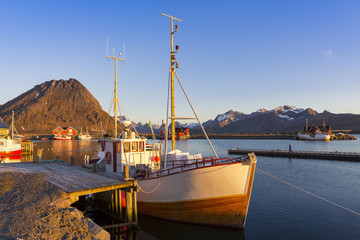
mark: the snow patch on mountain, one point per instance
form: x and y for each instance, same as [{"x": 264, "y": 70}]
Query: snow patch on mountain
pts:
[
  {"x": 286, "y": 117},
  {"x": 222, "y": 117}
]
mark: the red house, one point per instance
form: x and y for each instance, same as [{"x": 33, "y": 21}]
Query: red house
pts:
[{"x": 65, "y": 131}]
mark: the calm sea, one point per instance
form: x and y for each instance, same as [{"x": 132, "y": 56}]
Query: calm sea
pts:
[{"x": 277, "y": 210}]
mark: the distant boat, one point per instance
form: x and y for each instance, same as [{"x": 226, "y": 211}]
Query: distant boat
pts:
[
  {"x": 62, "y": 137},
  {"x": 315, "y": 133},
  {"x": 8, "y": 145},
  {"x": 84, "y": 136}
]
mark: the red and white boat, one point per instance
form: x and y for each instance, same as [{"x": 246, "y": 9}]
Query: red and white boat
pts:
[
  {"x": 180, "y": 186},
  {"x": 62, "y": 137},
  {"x": 9, "y": 147}
]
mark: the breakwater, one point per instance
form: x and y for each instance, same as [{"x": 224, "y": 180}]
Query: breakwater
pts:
[{"x": 340, "y": 156}]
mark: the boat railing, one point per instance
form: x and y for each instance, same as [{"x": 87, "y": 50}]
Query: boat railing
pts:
[{"x": 175, "y": 166}]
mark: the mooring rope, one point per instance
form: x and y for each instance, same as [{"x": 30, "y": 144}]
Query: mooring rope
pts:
[
  {"x": 310, "y": 193},
  {"x": 150, "y": 191}
]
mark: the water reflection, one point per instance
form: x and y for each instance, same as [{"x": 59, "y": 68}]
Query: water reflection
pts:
[
  {"x": 65, "y": 149},
  {"x": 162, "y": 229}
]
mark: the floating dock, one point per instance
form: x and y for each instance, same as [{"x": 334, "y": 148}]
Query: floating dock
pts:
[
  {"x": 77, "y": 181},
  {"x": 340, "y": 156}
]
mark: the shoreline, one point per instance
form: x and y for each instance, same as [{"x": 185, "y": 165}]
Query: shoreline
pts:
[{"x": 291, "y": 136}]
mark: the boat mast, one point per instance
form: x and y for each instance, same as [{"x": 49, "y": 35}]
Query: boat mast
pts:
[
  {"x": 172, "y": 76},
  {"x": 12, "y": 125},
  {"x": 115, "y": 88}
]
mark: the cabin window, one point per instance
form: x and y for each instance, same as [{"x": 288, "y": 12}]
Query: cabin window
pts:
[
  {"x": 126, "y": 147},
  {"x": 141, "y": 146},
  {"x": 70, "y": 130},
  {"x": 118, "y": 147},
  {"x": 135, "y": 146}
]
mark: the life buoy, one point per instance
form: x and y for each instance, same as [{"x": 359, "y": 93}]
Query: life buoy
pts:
[
  {"x": 103, "y": 145},
  {"x": 108, "y": 157}
]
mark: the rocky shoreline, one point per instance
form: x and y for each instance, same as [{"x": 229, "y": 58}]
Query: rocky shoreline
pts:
[{"x": 28, "y": 211}]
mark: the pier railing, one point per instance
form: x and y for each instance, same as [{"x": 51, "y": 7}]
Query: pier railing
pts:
[{"x": 177, "y": 166}]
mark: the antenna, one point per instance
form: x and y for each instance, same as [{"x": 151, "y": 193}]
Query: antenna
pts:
[
  {"x": 107, "y": 46},
  {"x": 115, "y": 89},
  {"x": 124, "y": 51}
]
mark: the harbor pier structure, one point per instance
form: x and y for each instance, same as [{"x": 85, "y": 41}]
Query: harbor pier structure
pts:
[
  {"x": 340, "y": 156},
  {"x": 77, "y": 181}
]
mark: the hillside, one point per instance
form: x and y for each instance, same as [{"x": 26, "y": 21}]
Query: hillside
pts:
[{"x": 55, "y": 103}]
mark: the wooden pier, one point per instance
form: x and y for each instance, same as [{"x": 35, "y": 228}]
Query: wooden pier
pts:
[
  {"x": 27, "y": 147},
  {"x": 77, "y": 181},
  {"x": 340, "y": 156}
]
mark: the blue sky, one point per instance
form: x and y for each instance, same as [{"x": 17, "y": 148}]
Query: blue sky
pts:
[{"x": 241, "y": 55}]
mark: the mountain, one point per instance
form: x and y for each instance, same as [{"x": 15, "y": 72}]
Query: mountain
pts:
[
  {"x": 55, "y": 103},
  {"x": 281, "y": 119}
]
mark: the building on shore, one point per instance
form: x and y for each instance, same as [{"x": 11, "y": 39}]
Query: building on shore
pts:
[{"x": 65, "y": 131}]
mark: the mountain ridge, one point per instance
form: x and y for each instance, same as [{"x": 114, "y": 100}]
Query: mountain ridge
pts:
[{"x": 55, "y": 103}]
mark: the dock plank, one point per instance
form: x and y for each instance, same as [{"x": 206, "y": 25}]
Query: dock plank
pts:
[{"x": 72, "y": 179}]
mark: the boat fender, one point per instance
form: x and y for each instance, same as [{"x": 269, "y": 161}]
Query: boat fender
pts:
[
  {"x": 157, "y": 158},
  {"x": 108, "y": 157}
]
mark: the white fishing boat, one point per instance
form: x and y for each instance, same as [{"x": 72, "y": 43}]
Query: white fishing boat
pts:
[
  {"x": 84, "y": 135},
  {"x": 315, "y": 133},
  {"x": 177, "y": 185}
]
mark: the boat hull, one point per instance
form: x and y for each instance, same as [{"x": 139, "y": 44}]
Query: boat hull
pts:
[
  {"x": 216, "y": 195},
  {"x": 10, "y": 152},
  {"x": 318, "y": 136},
  {"x": 62, "y": 138},
  {"x": 227, "y": 211}
]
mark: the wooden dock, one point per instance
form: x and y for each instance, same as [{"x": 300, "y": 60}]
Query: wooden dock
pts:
[
  {"x": 77, "y": 181},
  {"x": 340, "y": 156}
]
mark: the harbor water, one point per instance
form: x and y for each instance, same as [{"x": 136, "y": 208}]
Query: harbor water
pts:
[{"x": 293, "y": 199}]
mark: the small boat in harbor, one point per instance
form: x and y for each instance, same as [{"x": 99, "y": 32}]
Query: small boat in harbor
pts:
[
  {"x": 315, "y": 133},
  {"x": 177, "y": 185},
  {"x": 9, "y": 145},
  {"x": 83, "y": 135},
  {"x": 62, "y": 137}
]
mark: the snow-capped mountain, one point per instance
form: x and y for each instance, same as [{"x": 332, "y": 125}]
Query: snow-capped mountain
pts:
[{"x": 281, "y": 119}]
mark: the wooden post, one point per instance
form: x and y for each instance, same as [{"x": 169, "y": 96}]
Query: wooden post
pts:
[
  {"x": 39, "y": 154},
  {"x": 134, "y": 204},
  {"x": 72, "y": 160},
  {"x": 126, "y": 172},
  {"x": 120, "y": 202},
  {"x": 129, "y": 205}
]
